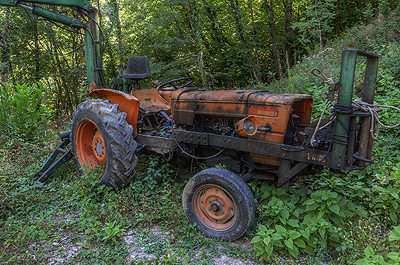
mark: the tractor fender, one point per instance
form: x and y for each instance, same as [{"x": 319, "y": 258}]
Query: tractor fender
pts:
[{"x": 126, "y": 103}]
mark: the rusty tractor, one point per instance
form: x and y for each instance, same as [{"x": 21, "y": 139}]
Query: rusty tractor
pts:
[{"x": 254, "y": 134}]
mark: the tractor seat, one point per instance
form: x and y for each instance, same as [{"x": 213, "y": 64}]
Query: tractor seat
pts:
[{"x": 138, "y": 68}]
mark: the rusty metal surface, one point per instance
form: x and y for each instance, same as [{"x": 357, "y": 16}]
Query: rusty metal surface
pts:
[
  {"x": 215, "y": 207},
  {"x": 150, "y": 100},
  {"x": 126, "y": 103},
  {"x": 160, "y": 142},
  {"x": 277, "y": 151},
  {"x": 268, "y": 108},
  {"x": 232, "y": 103}
]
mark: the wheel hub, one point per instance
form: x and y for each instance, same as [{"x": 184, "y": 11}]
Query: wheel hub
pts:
[
  {"x": 215, "y": 208},
  {"x": 99, "y": 148}
]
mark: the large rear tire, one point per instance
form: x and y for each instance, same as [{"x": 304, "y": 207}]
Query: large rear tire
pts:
[
  {"x": 101, "y": 136},
  {"x": 220, "y": 203}
]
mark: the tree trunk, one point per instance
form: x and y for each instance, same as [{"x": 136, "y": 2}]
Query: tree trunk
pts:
[
  {"x": 274, "y": 35},
  {"x": 257, "y": 68},
  {"x": 218, "y": 38},
  {"x": 99, "y": 12},
  {"x": 75, "y": 64},
  {"x": 241, "y": 33},
  {"x": 289, "y": 36},
  {"x": 36, "y": 75},
  {"x": 117, "y": 21},
  {"x": 5, "y": 51},
  {"x": 182, "y": 34},
  {"x": 199, "y": 42},
  {"x": 62, "y": 76}
]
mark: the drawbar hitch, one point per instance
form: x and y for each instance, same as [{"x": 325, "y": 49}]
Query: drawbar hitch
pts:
[{"x": 50, "y": 166}]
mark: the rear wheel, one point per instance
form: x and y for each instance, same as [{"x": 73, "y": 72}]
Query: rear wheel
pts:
[
  {"x": 220, "y": 203},
  {"x": 101, "y": 138}
]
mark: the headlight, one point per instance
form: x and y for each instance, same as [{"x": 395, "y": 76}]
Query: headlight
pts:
[{"x": 247, "y": 126}]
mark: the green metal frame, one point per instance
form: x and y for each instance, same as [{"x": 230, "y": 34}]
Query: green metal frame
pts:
[
  {"x": 124, "y": 82},
  {"x": 80, "y": 3},
  {"x": 92, "y": 42},
  {"x": 342, "y": 132}
]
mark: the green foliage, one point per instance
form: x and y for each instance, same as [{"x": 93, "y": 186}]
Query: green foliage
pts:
[
  {"x": 327, "y": 213},
  {"x": 317, "y": 23},
  {"x": 113, "y": 232},
  {"x": 386, "y": 202},
  {"x": 155, "y": 171},
  {"x": 228, "y": 43},
  {"x": 22, "y": 114},
  {"x": 303, "y": 221},
  {"x": 75, "y": 220},
  {"x": 280, "y": 239},
  {"x": 392, "y": 257},
  {"x": 328, "y": 205},
  {"x": 371, "y": 258}
]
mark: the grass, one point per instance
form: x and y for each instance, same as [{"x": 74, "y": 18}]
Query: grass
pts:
[
  {"x": 70, "y": 219},
  {"x": 64, "y": 220}
]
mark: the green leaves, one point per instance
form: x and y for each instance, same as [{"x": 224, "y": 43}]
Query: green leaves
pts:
[
  {"x": 279, "y": 238},
  {"x": 21, "y": 110},
  {"x": 386, "y": 201},
  {"x": 394, "y": 235},
  {"x": 304, "y": 222},
  {"x": 371, "y": 258},
  {"x": 112, "y": 231},
  {"x": 328, "y": 205}
]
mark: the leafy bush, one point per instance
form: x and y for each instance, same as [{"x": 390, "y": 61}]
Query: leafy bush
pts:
[
  {"x": 22, "y": 113},
  {"x": 392, "y": 257},
  {"x": 303, "y": 221}
]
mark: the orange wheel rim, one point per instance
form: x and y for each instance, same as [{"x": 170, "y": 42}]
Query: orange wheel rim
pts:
[
  {"x": 90, "y": 146},
  {"x": 215, "y": 208}
]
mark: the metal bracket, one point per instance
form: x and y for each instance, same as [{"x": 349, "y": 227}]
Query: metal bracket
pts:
[
  {"x": 156, "y": 141},
  {"x": 284, "y": 177},
  {"x": 192, "y": 137},
  {"x": 49, "y": 166}
]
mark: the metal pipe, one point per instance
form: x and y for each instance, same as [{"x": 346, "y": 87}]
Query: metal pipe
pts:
[
  {"x": 57, "y": 17},
  {"x": 65, "y": 134},
  {"x": 25, "y": 6}
]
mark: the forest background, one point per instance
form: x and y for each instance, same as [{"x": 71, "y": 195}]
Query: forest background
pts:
[
  {"x": 231, "y": 44},
  {"x": 221, "y": 44}
]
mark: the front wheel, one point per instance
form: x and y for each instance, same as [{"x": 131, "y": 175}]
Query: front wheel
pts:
[
  {"x": 102, "y": 139},
  {"x": 220, "y": 203}
]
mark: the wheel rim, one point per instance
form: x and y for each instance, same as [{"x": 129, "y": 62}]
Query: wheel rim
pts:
[
  {"x": 90, "y": 146},
  {"x": 215, "y": 208}
]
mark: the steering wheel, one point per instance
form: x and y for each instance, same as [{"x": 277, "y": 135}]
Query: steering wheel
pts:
[{"x": 190, "y": 80}]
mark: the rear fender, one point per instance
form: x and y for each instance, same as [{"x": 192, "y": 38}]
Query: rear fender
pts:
[{"x": 126, "y": 103}]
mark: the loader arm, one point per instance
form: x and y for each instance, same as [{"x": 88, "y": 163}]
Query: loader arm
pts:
[
  {"x": 79, "y": 3},
  {"x": 92, "y": 39}
]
